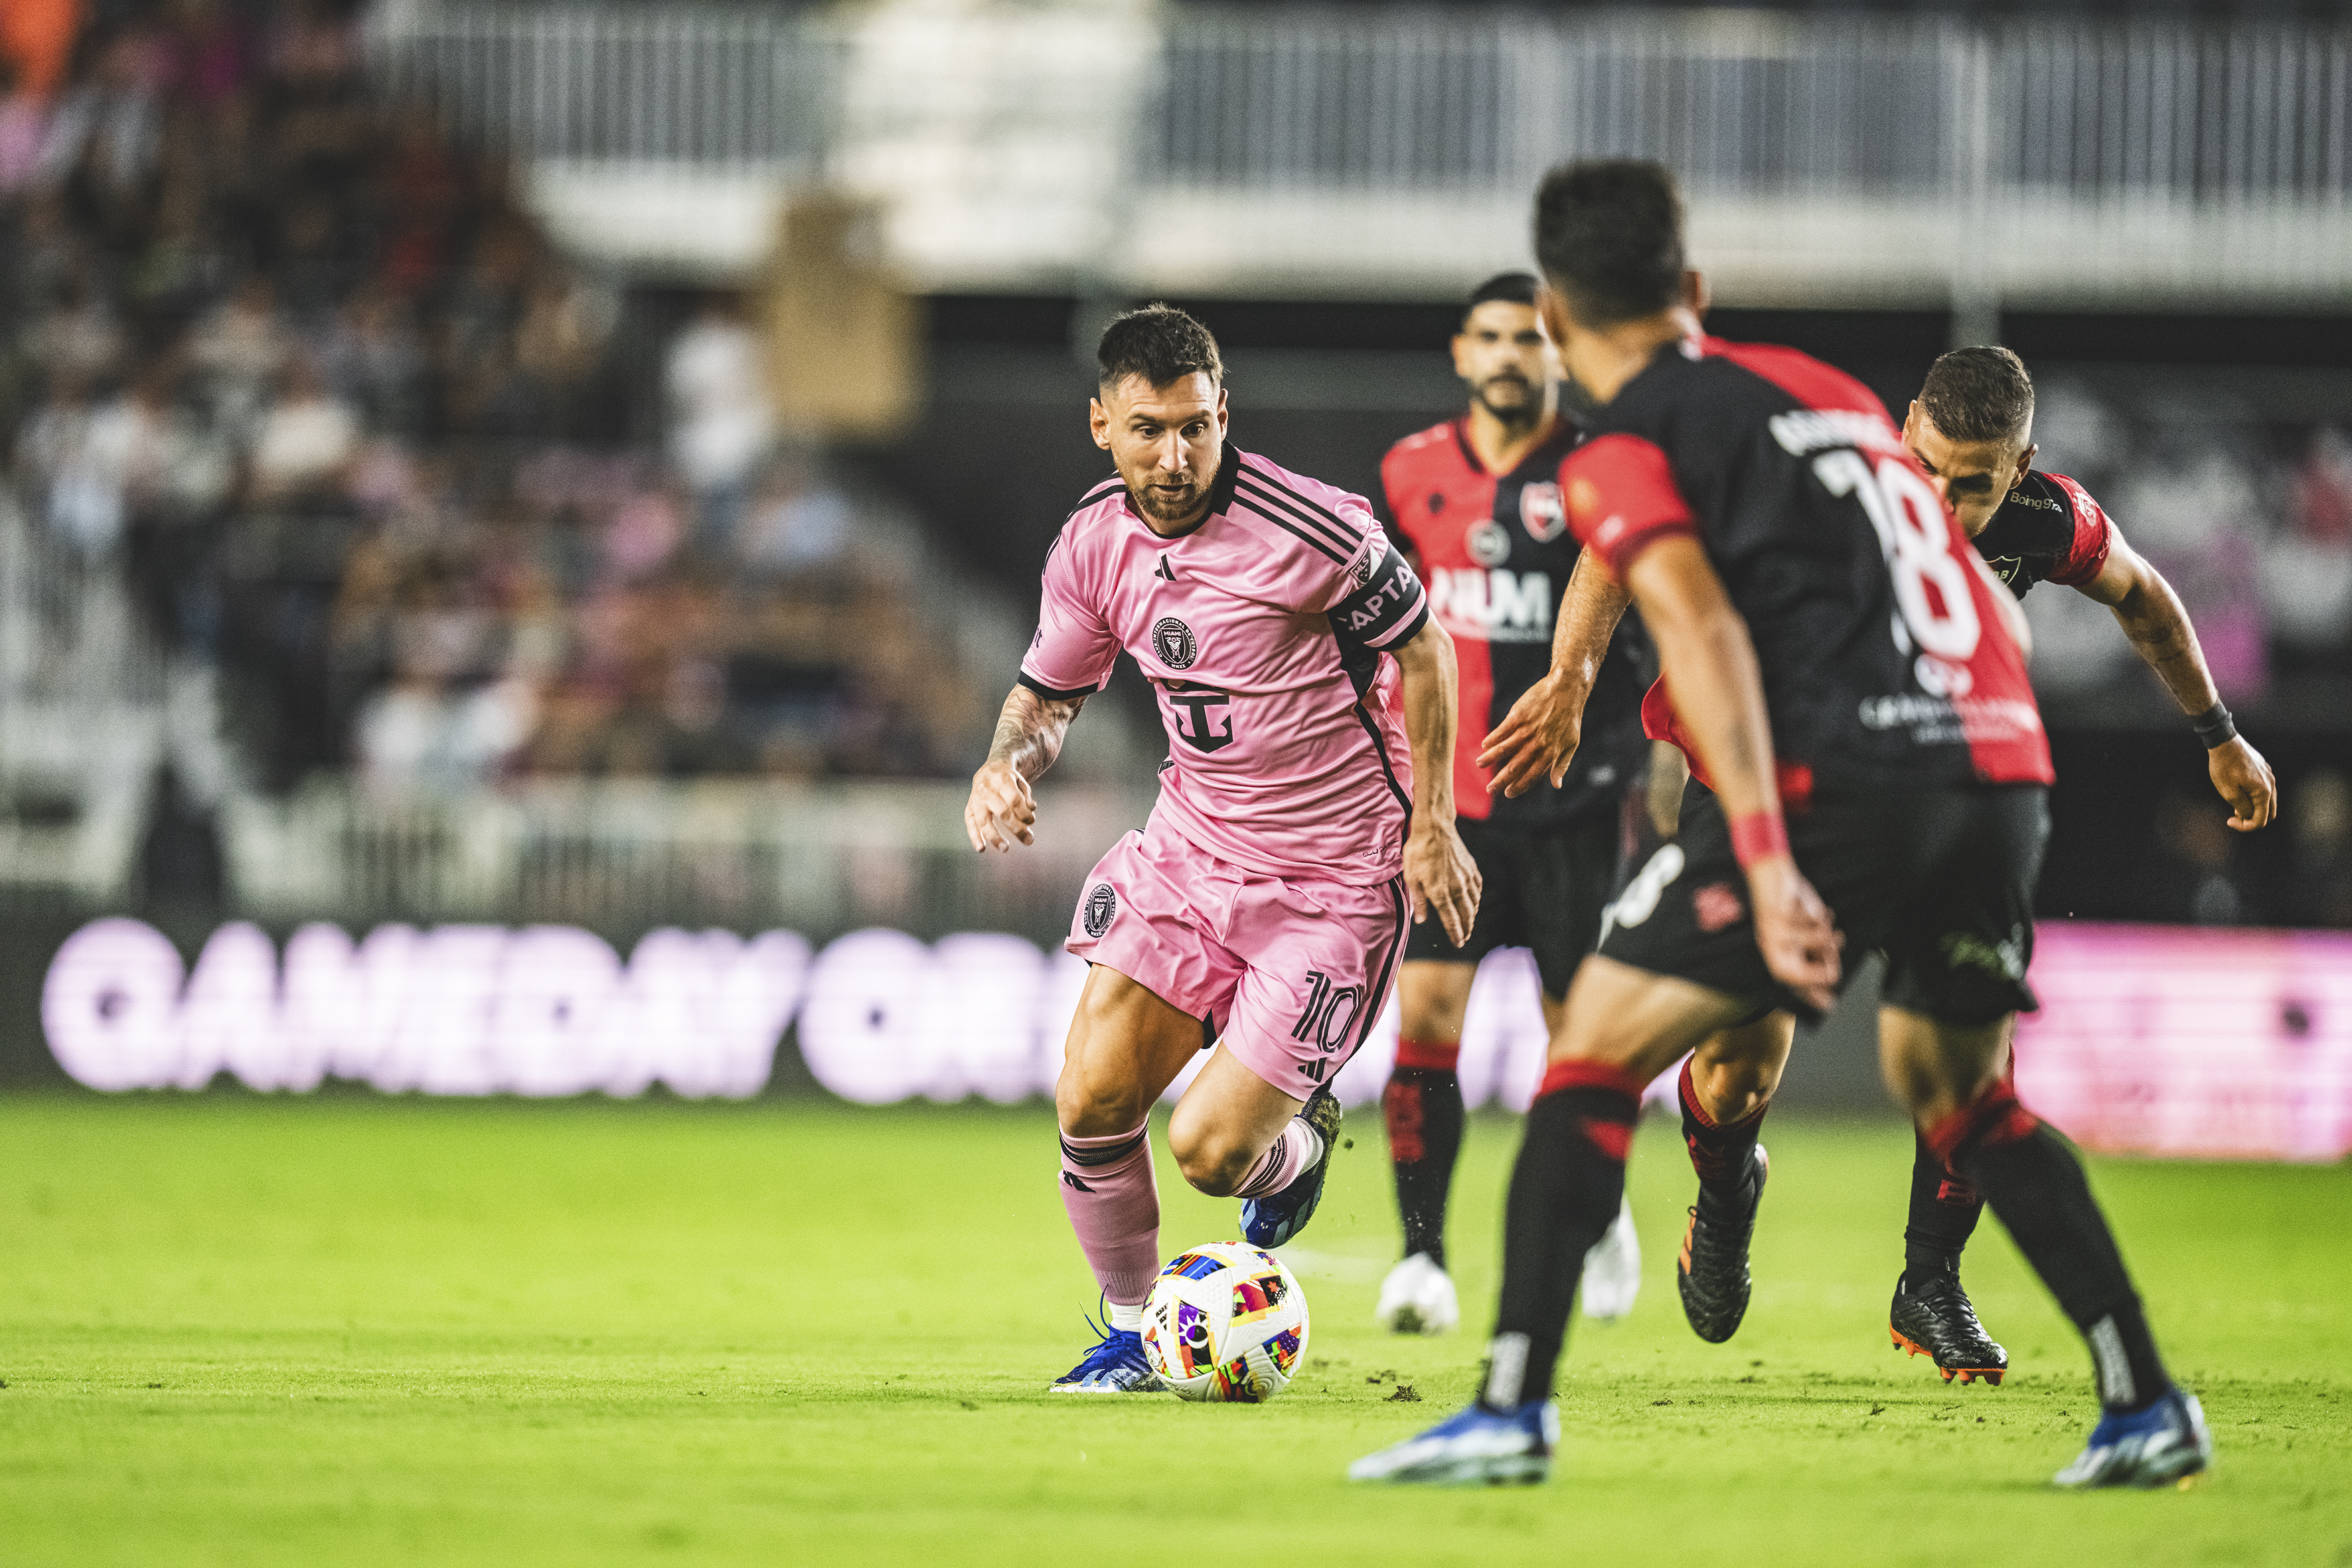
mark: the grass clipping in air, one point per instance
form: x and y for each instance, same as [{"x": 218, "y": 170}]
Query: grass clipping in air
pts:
[{"x": 359, "y": 1330}]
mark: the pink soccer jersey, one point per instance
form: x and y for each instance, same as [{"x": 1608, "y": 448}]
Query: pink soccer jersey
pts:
[{"x": 1261, "y": 629}]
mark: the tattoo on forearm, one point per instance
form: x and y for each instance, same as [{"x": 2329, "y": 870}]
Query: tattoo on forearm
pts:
[{"x": 1030, "y": 729}]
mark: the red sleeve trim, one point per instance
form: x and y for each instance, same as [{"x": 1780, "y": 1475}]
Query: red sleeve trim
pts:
[
  {"x": 2086, "y": 553},
  {"x": 1622, "y": 497}
]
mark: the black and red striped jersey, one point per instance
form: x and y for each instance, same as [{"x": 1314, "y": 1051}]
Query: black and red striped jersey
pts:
[
  {"x": 1495, "y": 552},
  {"x": 2048, "y": 530},
  {"x": 1883, "y": 655}
]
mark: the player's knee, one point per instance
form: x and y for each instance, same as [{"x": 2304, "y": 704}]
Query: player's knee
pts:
[
  {"x": 1212, "y": 1159},
  {"x": 1089, "y": 1105}
]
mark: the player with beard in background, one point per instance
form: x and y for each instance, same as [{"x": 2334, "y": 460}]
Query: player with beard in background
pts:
[
  {"x": 1849, "y": 681},
  {"x": 1306, "y": 809},
  {"x": 1476, "y": 504}
]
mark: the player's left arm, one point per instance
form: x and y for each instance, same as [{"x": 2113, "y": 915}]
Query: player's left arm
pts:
[
  {"x": 1440, "y": 877},
  {"x": 1538, "y": 737},
  {"x": 2151, "y": 615}
]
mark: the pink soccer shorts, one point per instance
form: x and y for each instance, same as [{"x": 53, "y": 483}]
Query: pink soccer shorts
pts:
[{"x": 1289, "y": 975}]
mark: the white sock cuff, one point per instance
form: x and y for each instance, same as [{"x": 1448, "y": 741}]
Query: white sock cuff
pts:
[{"x": 1129, "y": 1319}]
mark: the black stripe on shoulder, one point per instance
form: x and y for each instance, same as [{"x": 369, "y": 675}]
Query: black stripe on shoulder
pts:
[
  {"x": 1267, "y": 496},
  {"x": 1095, "y": 494},
  {"x": 1312, "y": 541},
  {"x": 1312, "y": 509}
]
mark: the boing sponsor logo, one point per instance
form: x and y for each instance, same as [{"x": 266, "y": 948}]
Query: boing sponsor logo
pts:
[
  {"x": 1101, "y": 908},
  {"x": 1171, "y": 639}
]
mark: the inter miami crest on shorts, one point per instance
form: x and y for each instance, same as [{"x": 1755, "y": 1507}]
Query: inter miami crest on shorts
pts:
[{"x": 1102, "y": 908}]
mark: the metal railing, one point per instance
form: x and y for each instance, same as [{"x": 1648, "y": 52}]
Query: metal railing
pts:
[
  {"x": 641, "y": 85},
  {"x": 819, "y": 858},
  {"x": 1762, "y": 103},
  {"x": 1836, "y": 156}
]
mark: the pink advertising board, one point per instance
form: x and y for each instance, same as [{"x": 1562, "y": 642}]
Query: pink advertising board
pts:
[{"x": 2191, "y": 1042}]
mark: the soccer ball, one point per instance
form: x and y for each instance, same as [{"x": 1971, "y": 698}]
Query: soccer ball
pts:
[{"x": 1225, "y": 1321}]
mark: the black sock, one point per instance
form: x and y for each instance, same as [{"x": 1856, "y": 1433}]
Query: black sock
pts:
[
  {"x": 2036, "y": 1186},
  {"x": 1721, "y": 1152},
  {"x": 1944, "y": 1212},
  {"x": 1424, "y": 1108},
  {"x": 1565, "y": 1191}
]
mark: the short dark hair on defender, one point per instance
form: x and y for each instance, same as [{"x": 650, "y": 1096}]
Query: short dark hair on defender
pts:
[
  {"x": 1608, "y": 236},
  {"x": 1980, "y": 393},
  {"x": 1158, "y": 343},
  {"x": 1519, "y": 287}
]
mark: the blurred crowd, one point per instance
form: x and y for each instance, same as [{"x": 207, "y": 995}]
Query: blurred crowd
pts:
[{"x": 306, "y": 372}]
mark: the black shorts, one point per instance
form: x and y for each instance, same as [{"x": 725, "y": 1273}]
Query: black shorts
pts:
[
  {"x": 1544, "y": 888},
  {"x": 1939, "y": 881}
]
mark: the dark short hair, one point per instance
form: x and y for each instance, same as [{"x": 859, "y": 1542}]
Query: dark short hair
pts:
[
  {"x": 1608, "y": 236},
  {"x": 1980, "y": 393},
  {"x": 1158, "y": 343},
  {"x": 1518, "y": 287}
]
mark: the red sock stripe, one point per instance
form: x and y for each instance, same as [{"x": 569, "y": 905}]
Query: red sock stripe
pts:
[
  {"x": 1579, "y": 1074},
  {"x": 1614, "y": 1139},
  {"x": 1429, "y": 1056},
  {"x": 1993, "y": 1117}
]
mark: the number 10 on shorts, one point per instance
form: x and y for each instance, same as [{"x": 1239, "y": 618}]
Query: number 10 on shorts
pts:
[{"x": 1331, "y": 1012}]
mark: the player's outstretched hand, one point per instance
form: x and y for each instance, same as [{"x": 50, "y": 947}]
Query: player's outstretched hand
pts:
[
  {"x": 1799, "y": 942},
  {"x": 1536, "y": 738},
  {"x": 2246, "y": 782},
  {"x": 1442, "y": 879},
  {"x": 1001, "y": 809}
]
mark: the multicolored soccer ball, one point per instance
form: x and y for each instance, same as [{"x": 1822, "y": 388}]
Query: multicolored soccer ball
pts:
[{"x": 1225, "y": 1321}]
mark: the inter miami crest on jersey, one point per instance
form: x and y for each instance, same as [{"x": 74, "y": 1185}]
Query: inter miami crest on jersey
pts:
[{"x": 1171, "y": 639}]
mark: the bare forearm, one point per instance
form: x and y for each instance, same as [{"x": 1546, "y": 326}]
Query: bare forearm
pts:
[
  {"x": 1432, "y": 692},
  {"x": 1710, "y": 670},
  {"x": 2152, "y": 617},
  {"x": 1030, "y": 730},
  {"x": 1589, "y": 614}
]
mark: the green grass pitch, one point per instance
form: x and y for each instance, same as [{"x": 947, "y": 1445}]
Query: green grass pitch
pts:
[{"x": 355, "y": 1330}]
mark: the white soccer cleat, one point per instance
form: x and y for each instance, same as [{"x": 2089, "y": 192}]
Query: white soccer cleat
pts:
[
  {"x": 1612, "y": 1270},
  {"x": 1417, "y": 1297}
]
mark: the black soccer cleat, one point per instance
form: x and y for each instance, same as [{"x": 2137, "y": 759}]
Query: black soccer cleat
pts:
[
  {"x": 1934, "y": 1317},
  {"x": 1712, "y": 1272}
]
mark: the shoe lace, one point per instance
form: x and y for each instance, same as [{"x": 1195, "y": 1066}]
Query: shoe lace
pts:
[{"x": 1107, "y": 1338}]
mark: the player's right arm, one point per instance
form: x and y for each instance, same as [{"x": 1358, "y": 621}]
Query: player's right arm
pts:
[
  {"x": 1069, "y": 660},
  {"x": 1709, "y": 665},
  {"x": 1629, "y": 513},
  {"x": 1029, "y": 731}
]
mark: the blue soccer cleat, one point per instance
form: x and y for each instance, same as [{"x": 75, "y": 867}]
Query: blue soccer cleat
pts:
[
  {"x": 1476, "y": 1447},
  {"x": 1115, "y": 1365},
  {"x": 1272, "y": 1220},
  {"x": 2166, "y": 1442}
]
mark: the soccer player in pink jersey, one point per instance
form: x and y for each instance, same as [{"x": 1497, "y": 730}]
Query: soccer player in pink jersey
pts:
[{"x": 1306, "y": 810}]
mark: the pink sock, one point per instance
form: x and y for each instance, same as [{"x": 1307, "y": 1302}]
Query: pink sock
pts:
[
  {"x": 1298, "y": 1147},
  {"x": 1114, "y": 1206}
]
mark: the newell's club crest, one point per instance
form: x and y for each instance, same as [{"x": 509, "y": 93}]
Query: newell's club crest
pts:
[
  {"x": 1171, "y": 639},
  {"x": 1102, "y": 908},
  {"x": 1541, "y": 513}
]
